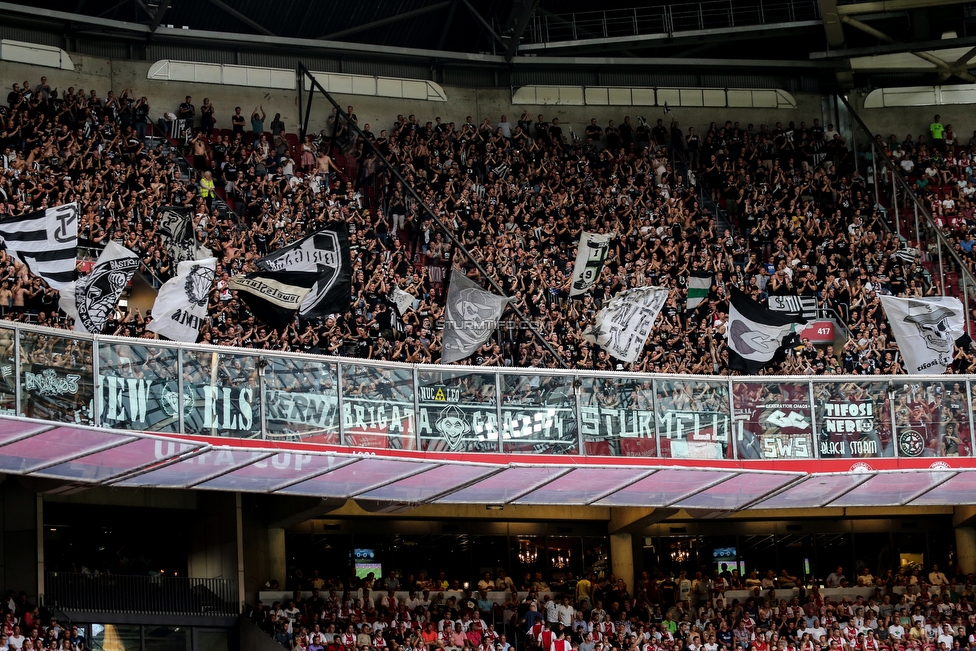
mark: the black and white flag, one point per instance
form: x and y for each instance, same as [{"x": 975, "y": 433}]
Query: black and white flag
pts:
[
  {"x": 805, "y": 306},
  {"x": 46, "y": 241},
  {"x": 325, "y": 253},
  {"x": 181, "y": 305},
  {"x": 590, "y": 256},
  {"x": 754, "y": 333},
  {"x": 175, "y": 224},
  {"x": 274, "y": 296},
  {"x": 926, "y": 330},
  {"x": 622, "y": 327},
  {"x": 91, "y": 299},
  {"x": 402, "y": 300},
  {"x": 470, "y": 317}
]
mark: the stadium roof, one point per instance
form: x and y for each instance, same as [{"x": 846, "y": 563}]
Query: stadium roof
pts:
[
  {"x": 863, "y": 44},
  {"x": 81, "y": 457}
]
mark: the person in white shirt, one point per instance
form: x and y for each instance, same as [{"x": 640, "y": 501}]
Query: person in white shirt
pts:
[
  {"x": 936, "y": 577},
  {"x": 552, "y": 610},
  {"x": 565, "y": 613},
  {"x": 945, "y": 637},
  {"x": 15, "y": 641},
  {"x": 896, "y": 630}
]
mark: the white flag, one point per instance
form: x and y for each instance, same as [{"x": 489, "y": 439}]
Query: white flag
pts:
[
  {"x": 590, "y": 256},
  {"x": 46, "y": 241},
  {"x": 91, "y": 299},
  {"x": 403, "y": 300},
  {"x": 624, "y": 324},
  {"x": 181, "y": 305},
  {"x": 926, "y": 330},
  {"x": 470, "y": 317}
]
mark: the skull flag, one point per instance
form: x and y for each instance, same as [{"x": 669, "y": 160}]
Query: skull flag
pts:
[
  {"x": 91, "y": 299},
  {"x": 926, "y": 330},
  {"x": 181, "y": 305},
  {"x": 470, "y": 317}
]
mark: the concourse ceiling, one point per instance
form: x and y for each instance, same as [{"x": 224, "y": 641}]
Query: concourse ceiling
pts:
[{"x": 83, "y": 457}]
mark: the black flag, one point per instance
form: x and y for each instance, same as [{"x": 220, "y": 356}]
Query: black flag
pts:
[
  {"x": 274, "y": 296},
  {"x": 326, "y": 254},
  {"x": 755, "y": 333}
]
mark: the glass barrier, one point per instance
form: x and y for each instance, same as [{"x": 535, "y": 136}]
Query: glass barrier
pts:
[
  {"x": 249, "y": 395},
  {"x": 378, "y": 407},
  {"x": 458, "y": 411},
  {"x": 138, "y": 387},
  {"x": 301, "y": 401},
  {"x": 539, "y": 414},
  {"x": 617, "y": 417},
  {"x": 8, "y": 371},
  {"x": 693, "y": 419},
  {"x": 853, "y": 419},
  {"x": 931, "y": 419},
  {"x": 773, "y": 420},
  {"x": 56, "y": 378},
  {"x": 220, "y": 394}
]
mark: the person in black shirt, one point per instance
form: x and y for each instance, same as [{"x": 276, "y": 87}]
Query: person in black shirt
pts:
[
  {"x": 140, "y": 116},
  {"x": 186, "y": 111},
  {"x": 660, "y": 133}
]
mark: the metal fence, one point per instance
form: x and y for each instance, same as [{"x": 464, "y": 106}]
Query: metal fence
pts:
[{"x": 117, "y": 593}]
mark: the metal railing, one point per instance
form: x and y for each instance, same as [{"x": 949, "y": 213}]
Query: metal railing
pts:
[
  {"x": 166, "y": 387},
  {"x": 668, "y": 19},
  {"x": 893, "y": 191},
  {"x": 127, "y": 594}
]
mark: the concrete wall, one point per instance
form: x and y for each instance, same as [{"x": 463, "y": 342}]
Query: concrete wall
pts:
[
  {"x": 915, "y": 119},
  {"x": 103, "y": 75}
]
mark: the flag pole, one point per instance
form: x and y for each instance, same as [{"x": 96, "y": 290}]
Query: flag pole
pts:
[{"x": 448, "y": 233}]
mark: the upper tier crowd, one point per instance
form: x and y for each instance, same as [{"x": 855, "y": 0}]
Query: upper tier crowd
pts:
[
  {"x": 516, "y": 194},
  {"x": 895, "y": 611}
]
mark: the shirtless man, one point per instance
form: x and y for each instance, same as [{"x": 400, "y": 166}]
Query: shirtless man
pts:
[
  {"x": 324, "y": 166},
  {"x": 199, "y": 143}
]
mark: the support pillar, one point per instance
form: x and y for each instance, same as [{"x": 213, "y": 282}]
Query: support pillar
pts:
[
  {"x": 21, "y": 538},
  {"x": 966, "y": 549},
  {"x": 277, "y": 560},
  {"x": 622, "y": 558}
]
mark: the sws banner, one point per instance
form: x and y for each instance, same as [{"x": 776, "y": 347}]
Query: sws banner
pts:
[{"x": 774, "y": 430}]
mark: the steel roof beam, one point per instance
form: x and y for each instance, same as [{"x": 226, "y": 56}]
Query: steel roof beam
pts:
[
  {"x": 892, "y": 5},
  {"x": 160, "y": 12},
  {"x": 241, "y": 17},
  {"x": 385, "y": 21},
  {"x": 522, "y": 11},
  {"x": 484, "y": 23}
]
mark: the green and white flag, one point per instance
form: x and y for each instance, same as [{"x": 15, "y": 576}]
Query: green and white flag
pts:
[{"x": 699, "y": 283}]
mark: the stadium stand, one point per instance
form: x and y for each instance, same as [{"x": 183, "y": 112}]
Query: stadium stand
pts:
[{"x": 774, "y": 211}]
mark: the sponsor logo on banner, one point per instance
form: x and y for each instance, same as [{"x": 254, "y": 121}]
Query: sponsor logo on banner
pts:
[{"x": 849, "y": 430}]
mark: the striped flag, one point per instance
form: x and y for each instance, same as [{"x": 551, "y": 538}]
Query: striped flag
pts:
[
  {"x": 46, "y": 241},
  {"x": 699, "y": 283},
  {"x": 755, "y": 333}
]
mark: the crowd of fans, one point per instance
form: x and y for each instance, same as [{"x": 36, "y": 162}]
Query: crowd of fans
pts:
[
  {"x": 517, "y": 194},
  {"x": 25, "y": 628},
  {"x": 899, "y": 610}
]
